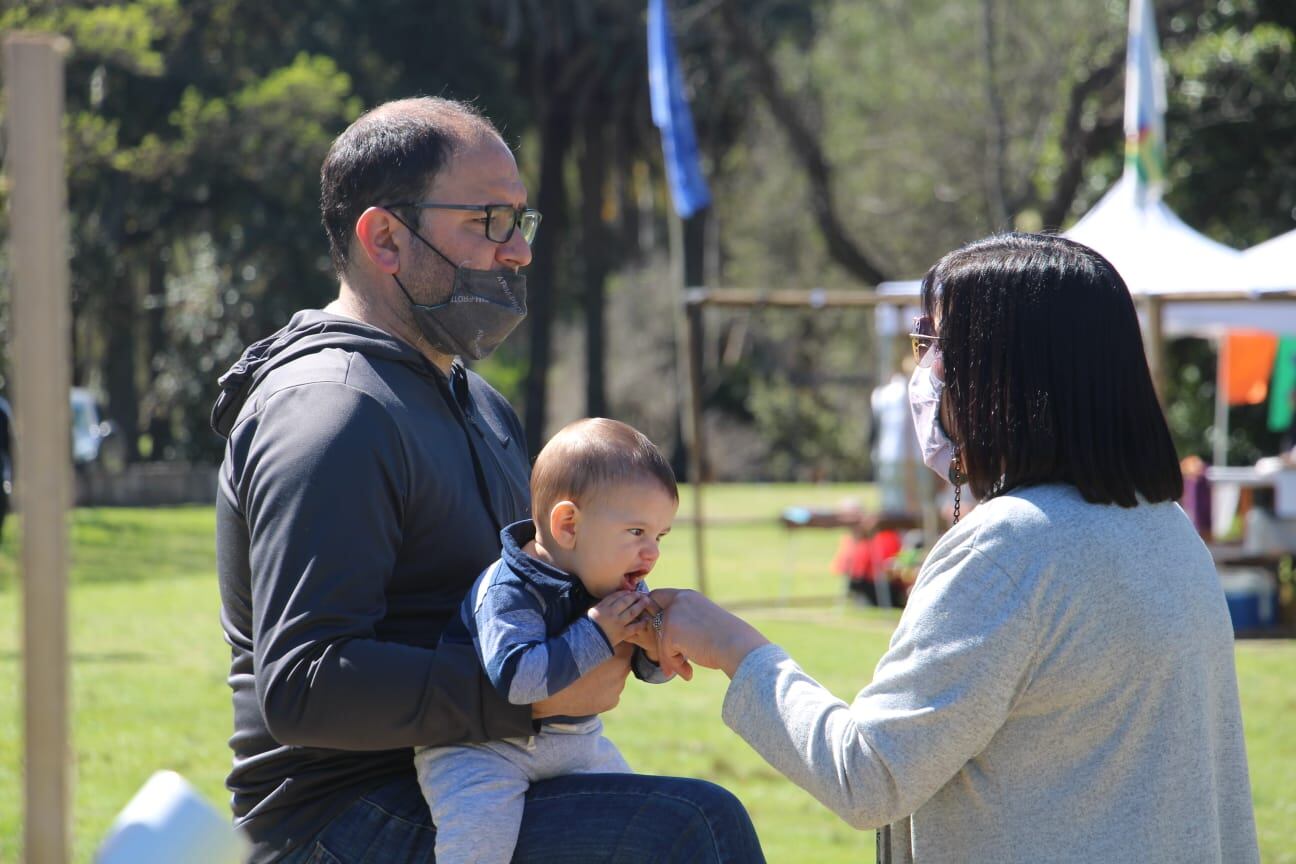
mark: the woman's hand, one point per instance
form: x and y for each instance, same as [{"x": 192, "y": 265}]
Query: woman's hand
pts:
[{"x": 696, "y": 630}]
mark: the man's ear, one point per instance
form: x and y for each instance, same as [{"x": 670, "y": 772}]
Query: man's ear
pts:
[
  {"x": 378, "y": 233},
  {"x": 564, "y": 517}
]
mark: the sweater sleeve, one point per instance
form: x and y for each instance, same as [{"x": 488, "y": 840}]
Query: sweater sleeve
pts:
[
  {"x": 524, "y": 664},
  {"x": 324, "y": 504},
  {"x": 645, "y": 669},
  {"x": 958, "y": 659}
]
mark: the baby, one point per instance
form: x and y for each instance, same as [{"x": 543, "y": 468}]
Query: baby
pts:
[{"x": 567, "y": 590}]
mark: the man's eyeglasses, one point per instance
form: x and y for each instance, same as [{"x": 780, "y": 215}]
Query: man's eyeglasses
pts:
[
  {"x": 922, "y": 338},
  {"x": 501, "y": 219}
]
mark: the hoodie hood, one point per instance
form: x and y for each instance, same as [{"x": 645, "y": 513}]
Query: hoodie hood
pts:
[{"x": 308, "y": 332}]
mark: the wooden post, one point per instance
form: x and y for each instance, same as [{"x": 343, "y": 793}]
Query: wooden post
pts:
[
  {"x": 684, "y": 386},
  {"x": 697, "y": 462},
  {"x": 42, "y": 467},
  {"x": 1220, "y": 434},
  {"x": 1155, "y": 346}
]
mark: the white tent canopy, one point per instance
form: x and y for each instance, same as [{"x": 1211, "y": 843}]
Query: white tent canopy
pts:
[
  {"x": 1157, "y": 254},
  {"x": 1272, "y": 264}
]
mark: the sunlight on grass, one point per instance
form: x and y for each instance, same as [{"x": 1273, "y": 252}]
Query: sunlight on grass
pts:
[{"x": 149, "y": 667}]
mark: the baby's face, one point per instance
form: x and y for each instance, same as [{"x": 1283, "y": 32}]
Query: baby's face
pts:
[{"x": 618, "y": 537}]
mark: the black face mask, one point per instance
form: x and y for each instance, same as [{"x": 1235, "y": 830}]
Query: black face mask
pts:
[{"x": 483, "y": 308}]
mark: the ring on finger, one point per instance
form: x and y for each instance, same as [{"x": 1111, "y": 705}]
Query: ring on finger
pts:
[{"x": 657, "y": 622}]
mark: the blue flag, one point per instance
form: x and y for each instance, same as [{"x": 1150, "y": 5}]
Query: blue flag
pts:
[{"x": 670, "y": 114}]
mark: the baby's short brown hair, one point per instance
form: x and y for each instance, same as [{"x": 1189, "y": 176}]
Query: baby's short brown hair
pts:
[{"x": 591, "y": 455}]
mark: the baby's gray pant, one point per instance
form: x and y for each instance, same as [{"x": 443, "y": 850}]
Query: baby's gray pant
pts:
[{"x": 476, "y": 790}]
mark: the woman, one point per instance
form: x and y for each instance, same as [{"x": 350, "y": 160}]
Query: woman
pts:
[{"x": 1061, "y": 685}]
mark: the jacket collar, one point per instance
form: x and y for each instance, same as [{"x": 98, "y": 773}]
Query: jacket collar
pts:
[{"x": 542, "y": 574}]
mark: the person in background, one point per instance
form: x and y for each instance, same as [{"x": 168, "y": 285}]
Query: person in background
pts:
[
  {"x": 893, "y": 447},
  {"x": 1061, "y": 686},
  {"x": 1196, "y": 500}
]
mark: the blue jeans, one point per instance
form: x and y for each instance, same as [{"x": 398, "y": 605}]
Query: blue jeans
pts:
[{"x": 577, "y": 819}]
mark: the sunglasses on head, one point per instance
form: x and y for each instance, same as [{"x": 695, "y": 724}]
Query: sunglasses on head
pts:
[{"x": 922, "y": 338}]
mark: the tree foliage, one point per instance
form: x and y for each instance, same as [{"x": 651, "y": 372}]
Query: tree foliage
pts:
[
  {"x": 845, "y": 142},
  {"x": 941, "y": 122}
]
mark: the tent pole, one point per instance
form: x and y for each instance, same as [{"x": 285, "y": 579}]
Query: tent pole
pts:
[
  {"x": 1220, "y": 434},
  {"x": 33, "y": 75},
  {"x": 1156, "y": 345},
  {"x": 698, "y": 463}
]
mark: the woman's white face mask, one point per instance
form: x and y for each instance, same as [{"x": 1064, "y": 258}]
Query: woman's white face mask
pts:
[{"x": 925, "y": 389}]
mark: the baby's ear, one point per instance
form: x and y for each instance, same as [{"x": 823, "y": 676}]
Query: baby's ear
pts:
[{"x": 563, "y": 519}]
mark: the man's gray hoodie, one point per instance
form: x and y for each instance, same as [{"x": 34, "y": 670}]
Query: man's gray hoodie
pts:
[{"x": 361, "y": 493}]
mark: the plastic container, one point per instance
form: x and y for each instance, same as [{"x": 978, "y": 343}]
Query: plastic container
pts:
[{"x": 1252, "y": 595}]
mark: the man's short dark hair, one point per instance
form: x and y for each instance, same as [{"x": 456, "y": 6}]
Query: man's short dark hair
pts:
[
  {"x": 391, "y": 153},
  {"x": 1045, "y": 372}
]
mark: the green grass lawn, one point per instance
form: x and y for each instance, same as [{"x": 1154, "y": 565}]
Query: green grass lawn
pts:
[{"x": 149, "y": 669}]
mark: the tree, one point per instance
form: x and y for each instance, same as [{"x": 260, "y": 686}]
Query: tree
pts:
[
  {"x": 844, "y": 142},
  {"x": 580, "y": 66},
  {"x": 1231, "y": 124},
  {"x": 805, "y": 145},
  {"x": 194, "y": 143}
]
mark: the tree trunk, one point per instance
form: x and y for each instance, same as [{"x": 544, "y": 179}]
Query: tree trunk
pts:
[
  {"x": 1078, "y": 141},
  {"x": 159, "y": 421},
  {"x": 626, "y": 188},
  {"x": 120, "y": 367},
  {"x": 594, "y": 254},
  {"x": 555, "y": 140},
  {"x": 806, "y": 146},
  {"x": 996, "y": 126}
]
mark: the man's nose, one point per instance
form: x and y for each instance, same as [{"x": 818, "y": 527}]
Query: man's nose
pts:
[{"x": 515, "y": 253}]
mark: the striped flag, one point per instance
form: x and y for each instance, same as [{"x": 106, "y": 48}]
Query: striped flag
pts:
[
  {"x": 1145, "y": 102},
  {"x": 1282, "y": 389},
  {"x": 670, "y": 114}
]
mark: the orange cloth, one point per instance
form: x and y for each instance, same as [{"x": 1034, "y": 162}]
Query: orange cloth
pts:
[
  {"x": 1246, "y": 362},
  {"x": 865, "y": 557}
]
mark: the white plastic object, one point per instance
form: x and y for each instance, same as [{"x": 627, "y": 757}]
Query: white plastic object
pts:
[{"x": 168, "y": 821}]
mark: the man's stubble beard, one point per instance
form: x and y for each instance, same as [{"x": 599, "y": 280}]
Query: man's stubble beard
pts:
[
  {"x": 432, "y": 276},
  {"x": 429, "y": 281}
]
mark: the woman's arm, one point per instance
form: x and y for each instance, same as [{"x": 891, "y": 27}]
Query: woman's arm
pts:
[{"x": 956, "y": 663}]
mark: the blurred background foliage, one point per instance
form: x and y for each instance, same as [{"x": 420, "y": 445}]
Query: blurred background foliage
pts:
[{"x": 845, "y": 143}]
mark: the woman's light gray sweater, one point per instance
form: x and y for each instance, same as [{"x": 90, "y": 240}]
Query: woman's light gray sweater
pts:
[{"x": 1060, "y": 688}]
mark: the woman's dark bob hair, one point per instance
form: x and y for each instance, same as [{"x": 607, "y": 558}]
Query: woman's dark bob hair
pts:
[{"x": 1045, "y": 376}]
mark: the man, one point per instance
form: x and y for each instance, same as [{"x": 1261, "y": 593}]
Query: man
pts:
[{"x": 366, "y": 478}]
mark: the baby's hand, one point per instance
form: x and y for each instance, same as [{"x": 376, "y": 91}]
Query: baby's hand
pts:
[
  {"x": 647, "y": 640},
  {"x": 621, "y": 615}
]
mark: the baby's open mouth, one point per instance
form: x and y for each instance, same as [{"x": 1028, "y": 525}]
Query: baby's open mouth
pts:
[{"x": 630, "y": 581}]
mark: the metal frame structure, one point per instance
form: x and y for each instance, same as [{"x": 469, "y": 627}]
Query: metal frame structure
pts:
[{"x": 696, "y": 300}]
